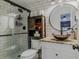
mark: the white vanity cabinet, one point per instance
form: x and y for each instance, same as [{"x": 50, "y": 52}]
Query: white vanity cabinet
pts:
[{"x": 58, "y": 51}]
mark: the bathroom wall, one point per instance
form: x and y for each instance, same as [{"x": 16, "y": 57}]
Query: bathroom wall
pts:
[
  {"x": 15, "y": 43},
  {"x": 46, "y": 13}
]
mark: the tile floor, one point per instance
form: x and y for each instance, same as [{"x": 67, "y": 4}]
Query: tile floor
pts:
[{"x": 15, "y": 56}]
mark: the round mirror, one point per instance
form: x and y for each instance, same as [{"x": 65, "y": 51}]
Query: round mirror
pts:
[{"x": 63, "y": 18}]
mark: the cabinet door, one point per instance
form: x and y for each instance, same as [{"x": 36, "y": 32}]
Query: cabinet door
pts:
[
  {"x": 77, "y": 52},
  {"x": 63, "y": 54},
  {"x": 58, "y": 51},
  {"x": 48, "y": 52},
  {"x": 65, "y": 51}
]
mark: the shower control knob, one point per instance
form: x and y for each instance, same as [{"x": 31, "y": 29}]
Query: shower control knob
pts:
[{"x": 19, "y": 56}]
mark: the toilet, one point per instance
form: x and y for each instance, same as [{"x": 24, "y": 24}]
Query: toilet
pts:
[{"x": 32, "y": 53}]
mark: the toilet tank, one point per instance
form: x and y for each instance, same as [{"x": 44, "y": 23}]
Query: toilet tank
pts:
[{"x": 35, "y": 44}]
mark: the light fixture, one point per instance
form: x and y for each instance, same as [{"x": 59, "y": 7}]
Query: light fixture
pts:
[{"x": 52, "y": 2}]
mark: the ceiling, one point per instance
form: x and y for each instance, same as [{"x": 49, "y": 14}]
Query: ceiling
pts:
[{"x": 34, "y": 4}]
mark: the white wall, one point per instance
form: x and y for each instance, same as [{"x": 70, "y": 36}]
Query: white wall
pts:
[
  {"x": 7, "y": 43},
  {"x": 46, "y": 13}
]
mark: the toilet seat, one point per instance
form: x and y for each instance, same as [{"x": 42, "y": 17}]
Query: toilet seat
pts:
[{"x": 29, "y": 52}]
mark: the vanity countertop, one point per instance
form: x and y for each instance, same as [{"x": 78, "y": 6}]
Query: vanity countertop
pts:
[{"x": 69, "y": 41}]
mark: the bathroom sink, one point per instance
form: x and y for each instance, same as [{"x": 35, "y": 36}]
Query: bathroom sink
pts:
[{"x": 61, "y": 37}]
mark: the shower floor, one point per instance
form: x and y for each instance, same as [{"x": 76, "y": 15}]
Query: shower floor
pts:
[{"x": 12, "y": 56}]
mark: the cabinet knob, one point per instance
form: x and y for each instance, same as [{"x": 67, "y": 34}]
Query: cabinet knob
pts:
[
  {"x": 76, "y": 47},
  {"x": 56, "y": 54}
]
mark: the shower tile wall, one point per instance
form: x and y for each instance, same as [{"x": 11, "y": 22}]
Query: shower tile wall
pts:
[
  {"x": 22, "y": 40},
  {"x": 13, "y": 44}
]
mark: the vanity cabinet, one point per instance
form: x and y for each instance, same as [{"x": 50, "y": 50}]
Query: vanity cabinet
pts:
[{"x": 58, "y": 51}]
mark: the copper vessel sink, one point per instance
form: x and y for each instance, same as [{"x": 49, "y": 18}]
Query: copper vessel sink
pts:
[{"x": 61, "y": 37}]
